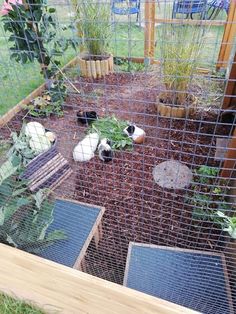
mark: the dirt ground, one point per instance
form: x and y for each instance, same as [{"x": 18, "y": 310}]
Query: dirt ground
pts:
[{"x": 137, "y": 209}]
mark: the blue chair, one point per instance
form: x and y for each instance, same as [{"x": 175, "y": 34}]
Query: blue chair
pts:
[
  {"x": 126, "y": 7},
  {"x": 216, "y": 6},
  {"x": 190, "y": 7}
]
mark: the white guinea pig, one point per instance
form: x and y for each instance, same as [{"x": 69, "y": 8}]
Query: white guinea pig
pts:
[{"x": 84, "y": 150}]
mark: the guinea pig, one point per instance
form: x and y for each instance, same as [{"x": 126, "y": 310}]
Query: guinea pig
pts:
[
  {"x": 86, "y": 117},
  {"x": 84, "y": 150},
  {"x": 137, "y": 134},
  {"x": 105, "y": 151}
]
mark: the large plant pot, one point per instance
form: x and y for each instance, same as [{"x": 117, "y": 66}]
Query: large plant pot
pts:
[
  {"x": 170, "y": 110},
  {"x": 96, "y": 67}
]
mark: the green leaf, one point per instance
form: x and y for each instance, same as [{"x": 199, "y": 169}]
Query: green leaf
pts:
[
  {"x": 2, "y": 217},
  {"x": 51, "y": 10},
  {"x": 10, "y": 209},
  {"x": 11, "y": 241},
  {"x": 56, "y": 235},
  {"x": 19, "y": 192},
  {"x": 22, "y": 202},
  {"x": 39, "y": 197}
]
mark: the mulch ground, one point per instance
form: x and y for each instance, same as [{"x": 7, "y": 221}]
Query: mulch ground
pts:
[{"x": 137, "y": 209}]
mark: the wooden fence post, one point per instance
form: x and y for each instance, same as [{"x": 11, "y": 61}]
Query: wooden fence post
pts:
[
  {"x": 230, "y": 159},
  {"x": 230, "y": 91},
  {"x": 228, "y": 37},
  {"x": 230, "y": 101},
  {"x": 149, "y": 34}
]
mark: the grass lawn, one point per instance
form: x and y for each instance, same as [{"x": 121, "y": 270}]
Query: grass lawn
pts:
[
  {"x": 11, "y": 306},
  {"x": 18, "y": 80}
]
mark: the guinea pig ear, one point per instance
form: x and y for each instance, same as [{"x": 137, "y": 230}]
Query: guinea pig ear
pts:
[
  {"x": 79, "y": 114},
  {"x": 109, "y": 142},
  {"x": 131, "y": 129}
]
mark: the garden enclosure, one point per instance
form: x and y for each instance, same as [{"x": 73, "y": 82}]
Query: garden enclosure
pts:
[{"x": 122, "y": 163}]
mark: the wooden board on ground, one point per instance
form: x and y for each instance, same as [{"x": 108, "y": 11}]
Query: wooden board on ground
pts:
[
  {"x": 68, "y": 291},
  {"x": 190, "y": 278},
  {"x": 81, "y": 223}
]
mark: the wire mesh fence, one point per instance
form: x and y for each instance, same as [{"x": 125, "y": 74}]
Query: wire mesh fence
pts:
[{"x": 122, "y": 163}]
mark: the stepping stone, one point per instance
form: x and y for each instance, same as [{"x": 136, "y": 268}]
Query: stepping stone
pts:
[{"x": 172, "y": 174}]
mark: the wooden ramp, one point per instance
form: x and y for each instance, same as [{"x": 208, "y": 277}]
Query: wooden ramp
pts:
[
  {"x": 190, "y": 278},
  {"x": 81, "y": 223}
]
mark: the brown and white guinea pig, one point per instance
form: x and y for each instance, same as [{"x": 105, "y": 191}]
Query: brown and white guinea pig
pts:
[
  {"x": 86, "y": 117},
  {"x": 137, "y": 134},
  {"x": 105, "y": 151}
]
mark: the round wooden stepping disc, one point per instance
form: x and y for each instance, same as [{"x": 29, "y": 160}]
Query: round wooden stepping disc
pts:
[{"x": 172, "y": 174}]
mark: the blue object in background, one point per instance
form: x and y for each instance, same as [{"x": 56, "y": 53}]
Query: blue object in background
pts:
[
  {"x": 77, "y": 221},
  {"x": 194, "y": 279},
  {"x": 190, "y": 7},
  {"x": 126, "y": 7},
  {"x": 216, "y": 6}
]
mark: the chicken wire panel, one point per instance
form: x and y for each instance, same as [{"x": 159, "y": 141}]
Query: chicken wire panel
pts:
[{"x": 104, "y": 128}]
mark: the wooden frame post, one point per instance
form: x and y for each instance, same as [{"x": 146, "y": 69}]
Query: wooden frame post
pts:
[
  {"x": 230, "y": 159},
  {"x": 228, "y": 37},
  {"x": 230, "y": 101},
  {"x": 149, "y": 33},
  {"x": 230, "y": 91}
]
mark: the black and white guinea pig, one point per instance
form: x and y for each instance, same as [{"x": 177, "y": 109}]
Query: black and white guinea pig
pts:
[
  {"x": 86, "y": 117},
  {"x": 137, "y": 134},
  {"x": 105, "y": 151}
]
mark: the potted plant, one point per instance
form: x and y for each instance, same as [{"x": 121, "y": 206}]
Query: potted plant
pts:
[
  {"x": 180, "y": 51},
  {"x": 94, "y": 28}
]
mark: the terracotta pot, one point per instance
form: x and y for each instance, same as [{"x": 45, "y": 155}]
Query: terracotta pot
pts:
[
  {"x": 95, "y": 67},
  {"x": 175, "y": 111}
]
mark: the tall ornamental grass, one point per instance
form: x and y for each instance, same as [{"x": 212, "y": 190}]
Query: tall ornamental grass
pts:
[
  {"x": 181, "y": 47},
  {"x": 94, "y": 25}
]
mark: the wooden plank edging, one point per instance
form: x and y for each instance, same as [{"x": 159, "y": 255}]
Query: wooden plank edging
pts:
[
  {"x": 37, "y": 92},
  {"x": 70, "y": 291}
]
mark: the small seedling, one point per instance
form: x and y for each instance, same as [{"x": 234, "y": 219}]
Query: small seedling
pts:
[{"x": 207, "y": 196}]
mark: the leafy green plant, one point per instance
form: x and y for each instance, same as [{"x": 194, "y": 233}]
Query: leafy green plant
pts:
[
  {"x": 205, "y": 173},
  {"x": 24, "y": 148},
  {"x": 228, "y": 224},
  {"x": 19, "y": 155},
  {"x": 94, "y": 25},
  {"x": 25, "y": 218},
  {"x": 207, "y": 196},
  {"x": 34, "y": 30},
  {"x": 35, "y": 37},
  {"x": 129, "y": 66},
  {"x": 180, "y": 59},
  {"x": 50, "y": 102},
  {"x": 112, "y": 129}
]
